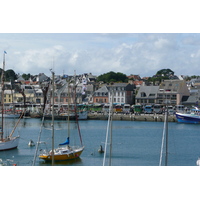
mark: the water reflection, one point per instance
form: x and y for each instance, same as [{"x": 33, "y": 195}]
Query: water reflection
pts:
[{"x": 77, "y": 161}]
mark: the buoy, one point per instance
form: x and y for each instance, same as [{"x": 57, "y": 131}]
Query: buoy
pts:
[
  {"x": 31, "y": 143},
  {"x": 100, "y": 150}
]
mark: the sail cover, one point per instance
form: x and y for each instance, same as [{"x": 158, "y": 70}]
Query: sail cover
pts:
[{"x": 66, "y": 142}]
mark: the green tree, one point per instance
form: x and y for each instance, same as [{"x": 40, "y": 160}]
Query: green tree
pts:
[
  {"x": 165, "y": 72},
  {"x": 112, "y": 77},
  {"x": 10, "y": 75},
  {"x": 26, "y": 76}
]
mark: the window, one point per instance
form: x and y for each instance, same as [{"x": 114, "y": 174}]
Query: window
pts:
[
  {"x": 152, "y": 95},
  {"x": 143, "y": 94},
  {"x": 38, "y": 100}
]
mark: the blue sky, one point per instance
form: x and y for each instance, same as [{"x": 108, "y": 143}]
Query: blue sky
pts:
[{"x": 129, "y": 53}]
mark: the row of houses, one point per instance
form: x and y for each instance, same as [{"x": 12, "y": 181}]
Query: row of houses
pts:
[{"x": 88, "y": 91}]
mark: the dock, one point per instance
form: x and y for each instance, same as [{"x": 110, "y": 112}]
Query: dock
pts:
[{"x": 132, "y": 117}]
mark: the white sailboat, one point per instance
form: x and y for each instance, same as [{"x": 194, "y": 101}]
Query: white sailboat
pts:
[
  {"x": 8, "y": 142},
  {"x": 198, "y": 162}
]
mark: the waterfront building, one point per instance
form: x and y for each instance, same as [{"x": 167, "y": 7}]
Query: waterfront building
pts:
[
  {"x": 101, "y": 95},
  {"x": 147, "y": 95},
  {"x": 123, "y": 93},
  {"x": 174, "y": 92}
]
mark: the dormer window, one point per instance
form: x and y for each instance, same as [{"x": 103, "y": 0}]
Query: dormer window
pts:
[{"x": 143, "y": 94}]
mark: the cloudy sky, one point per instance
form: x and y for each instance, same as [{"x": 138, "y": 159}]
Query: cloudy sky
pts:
[
  {"x": 97, "y": 38},
  {"x": 129, "y": 53}
]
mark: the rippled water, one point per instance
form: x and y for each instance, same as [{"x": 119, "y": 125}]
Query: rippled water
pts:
[{"x": 135, "y": 143}]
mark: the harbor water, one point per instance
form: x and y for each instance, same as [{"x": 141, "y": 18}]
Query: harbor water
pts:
[{"x": 134, "y": 143}]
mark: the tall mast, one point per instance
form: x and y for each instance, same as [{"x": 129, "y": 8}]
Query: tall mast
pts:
[
  {"x": 75, "y": 108},
  {"x": 2, "y": 96},
  {"x": 166, "y": 153},
  {"x": 52, "y": 118}
]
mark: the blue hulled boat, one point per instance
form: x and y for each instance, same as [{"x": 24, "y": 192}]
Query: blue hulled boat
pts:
[{"x": 193, "y": 117}]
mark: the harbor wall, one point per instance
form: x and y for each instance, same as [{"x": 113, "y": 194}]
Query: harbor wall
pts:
[{"x": 131, "y": 117}]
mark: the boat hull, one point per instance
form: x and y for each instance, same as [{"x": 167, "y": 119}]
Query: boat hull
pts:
[
  {"x": 9, "y": 144},
  {"x": 64, "y": 116},
  {"x": 188, "y": 118},
  {"x": 68, "y": 156},
  {"x": 10, "y": 116}
]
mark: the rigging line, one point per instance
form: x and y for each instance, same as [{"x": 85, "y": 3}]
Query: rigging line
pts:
[
  {"x": 39, "y": 136},
  {"x": 106, "y": 142},
  {"x": 162, "y": 146}
]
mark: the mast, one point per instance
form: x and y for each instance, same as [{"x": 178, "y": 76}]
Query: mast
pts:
[
  {"x": 68, "y": 113},
  {"x": 2, "y": 97},
  {"x": 109, "y": 130},
  {"x": 166, "y": 145},
  {"x": 52, "y": 117},
  {"x": 75, "y": 108},
  {"x": 111, "y": 116}
]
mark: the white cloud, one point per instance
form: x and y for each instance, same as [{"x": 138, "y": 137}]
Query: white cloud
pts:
[{"x": 142, "y": 54}]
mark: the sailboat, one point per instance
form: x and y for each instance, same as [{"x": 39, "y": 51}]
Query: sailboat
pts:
[
  {"x": 8, "y": 142},
  {"x": 198, "y": 162},
  {"x": 65, "y": 151}
]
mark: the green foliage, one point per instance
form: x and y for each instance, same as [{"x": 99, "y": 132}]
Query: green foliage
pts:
[
  {"x": 112, "y": 77},
  {"x": 26, "y": 76},
  {"x": 165, "y": 72},
  {"x": 9, "y": 75}
]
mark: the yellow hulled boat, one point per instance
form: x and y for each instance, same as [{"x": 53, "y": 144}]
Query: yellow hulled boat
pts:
[
  {"x": 63, "y": 153},
  {"x": 64, "y": 150}
]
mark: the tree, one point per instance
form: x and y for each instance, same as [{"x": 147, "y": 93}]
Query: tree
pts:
[
  {"x": 26, "y": 76},
  {"x": 112, "y": 77},
  {"x": 10, "y": 75},
  {"x": 165, "y": 72}
]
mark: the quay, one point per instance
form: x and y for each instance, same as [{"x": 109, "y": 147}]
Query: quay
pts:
[
  {"x": 125, "y": 117},
  {"x": 132, "y": 117}
]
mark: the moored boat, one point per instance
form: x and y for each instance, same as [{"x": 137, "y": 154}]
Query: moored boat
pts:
[
  {"x": 64, "y": 151},
  {"x": 6, "y": 142},
  {"x": 188, "y": 118}
]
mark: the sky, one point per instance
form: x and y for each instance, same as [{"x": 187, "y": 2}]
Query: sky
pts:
[
  {"x": 98, "y": 53},
  {"x": 131, "y": 37}
]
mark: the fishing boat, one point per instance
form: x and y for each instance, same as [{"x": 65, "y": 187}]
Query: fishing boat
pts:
[
  {"x": 82, "y": 115},
  {"x": 6, "y": 142},
  {"x": 192, "y": 117},
  {"x": 65, "y": 151}
]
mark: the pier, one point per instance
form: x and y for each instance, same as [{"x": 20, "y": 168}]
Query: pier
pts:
[{"x": 132, "y": 117}]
